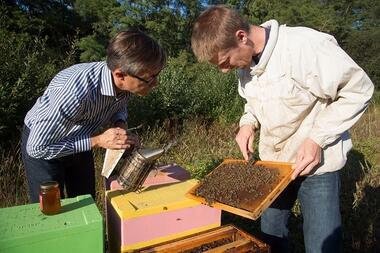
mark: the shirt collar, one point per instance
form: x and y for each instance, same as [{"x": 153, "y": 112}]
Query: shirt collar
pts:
[
  {"x": 260, "y": 67},
  {"x": 106, "y": 84}
]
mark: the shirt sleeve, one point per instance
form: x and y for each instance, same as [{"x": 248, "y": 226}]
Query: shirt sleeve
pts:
[
  {"x": 332, "y": 76},
  {"x": 53, "y": 133}
]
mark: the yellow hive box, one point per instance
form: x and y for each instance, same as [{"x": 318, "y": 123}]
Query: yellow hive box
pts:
[{"x": 154, "y": 215}]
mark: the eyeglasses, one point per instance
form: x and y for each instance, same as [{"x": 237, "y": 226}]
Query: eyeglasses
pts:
[{"x": 148, "y": 82}]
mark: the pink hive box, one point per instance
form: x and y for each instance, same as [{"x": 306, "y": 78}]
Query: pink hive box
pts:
[
  {"x": 156, "y": 214},
  {"x": 161, "y": 175}
]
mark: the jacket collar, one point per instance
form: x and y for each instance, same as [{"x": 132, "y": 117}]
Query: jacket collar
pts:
[{"x": 260, "y": 67}]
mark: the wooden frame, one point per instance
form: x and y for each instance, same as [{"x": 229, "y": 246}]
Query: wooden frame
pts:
[
  {"x": 239, "y": 242},
  {"x": 251, "y": 210}
]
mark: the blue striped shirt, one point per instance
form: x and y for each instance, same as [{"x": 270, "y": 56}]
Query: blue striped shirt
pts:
[{"x": 78, "y": 102}]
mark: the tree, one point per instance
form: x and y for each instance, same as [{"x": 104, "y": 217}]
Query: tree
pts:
[
  {"x": 52, "y": 19},
  {"x": 168, "y": 21},
  {"x": 313, "y": 14}
]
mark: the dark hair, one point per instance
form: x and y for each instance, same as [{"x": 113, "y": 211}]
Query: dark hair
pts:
[
  {"x": 214, "y": 30},
  {"x": 135, "y": 52}
]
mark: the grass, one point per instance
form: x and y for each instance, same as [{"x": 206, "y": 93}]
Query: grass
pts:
[
  {"x": 202, "y": 145},
  {"x": 12, "y": 178},
  {"x": 361, "y": 186}
]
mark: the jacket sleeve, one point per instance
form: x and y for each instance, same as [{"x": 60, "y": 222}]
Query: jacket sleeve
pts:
[
  {"x": 332, "y": 76},
  {"x": 248, "y": 117}
]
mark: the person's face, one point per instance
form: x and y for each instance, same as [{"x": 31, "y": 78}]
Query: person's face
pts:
[
  {"x": 238, "y": 57},
  {"x": 140, "y": 84}
]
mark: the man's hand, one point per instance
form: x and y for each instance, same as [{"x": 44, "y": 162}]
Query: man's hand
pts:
[
  {"x": 115, "y": 138},
  {"x": 244, "y": 139},
  {"x": 308, "y": 156}
]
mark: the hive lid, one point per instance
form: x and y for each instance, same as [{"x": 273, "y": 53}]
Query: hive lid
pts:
[
  {"x": 26, "y": 223},
  {"x": 250, "y": 208},
  {"x": 153, "y": 199}
]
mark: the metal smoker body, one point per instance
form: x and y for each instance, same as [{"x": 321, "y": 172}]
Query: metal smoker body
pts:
[{"x": 137, "y": 167}]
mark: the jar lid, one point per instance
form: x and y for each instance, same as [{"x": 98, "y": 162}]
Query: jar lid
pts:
[{"x": 49, "y": 185}]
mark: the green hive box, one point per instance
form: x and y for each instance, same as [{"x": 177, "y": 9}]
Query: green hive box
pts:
[{"x": 77, "y": 228}]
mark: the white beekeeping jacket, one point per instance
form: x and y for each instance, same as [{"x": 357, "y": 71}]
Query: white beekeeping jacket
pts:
[{"x": 304, "y": 86}]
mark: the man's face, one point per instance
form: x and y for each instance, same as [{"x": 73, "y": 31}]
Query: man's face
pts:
[
  {"x": 238, "y": 57},
  {"x": 140, "y": 84}
]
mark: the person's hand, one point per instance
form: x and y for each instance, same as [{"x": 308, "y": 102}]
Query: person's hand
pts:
[
  {"x": 308, "y": 156},
  {"x": 244, "y": 139},
  {"x": 115, "y": 138}
]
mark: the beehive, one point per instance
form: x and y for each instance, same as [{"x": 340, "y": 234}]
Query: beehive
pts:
[
  {"x": 166, "y": 174},
  {"x": 77, "y": 228},
  {"x": 227, "y": 238},
  {"x": 157, "y": 214}
]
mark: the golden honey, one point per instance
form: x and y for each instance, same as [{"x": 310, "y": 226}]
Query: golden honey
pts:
[{"x": 50, "y": 198}]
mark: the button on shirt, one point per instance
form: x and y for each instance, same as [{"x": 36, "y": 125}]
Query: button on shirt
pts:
[
  {"x": 304, "y": 86},
  {"x": 78, "y": 101}
]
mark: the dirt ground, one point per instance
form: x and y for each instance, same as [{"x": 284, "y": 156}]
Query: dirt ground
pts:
[{"x": 238, "y": 185}]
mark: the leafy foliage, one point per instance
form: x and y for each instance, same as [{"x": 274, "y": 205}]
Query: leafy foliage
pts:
[
  {"x": 189, "y": 90},
  {"x": 38, "y": 38},
  {"x": 364, "y": 46},
  {"x": 35, "y": 36},
  {"x": 314, "y": 14},
  {"x": 200, "y": 168},
  {"x": 26, "y": 70},
  {"x": 168, "y": 21}
]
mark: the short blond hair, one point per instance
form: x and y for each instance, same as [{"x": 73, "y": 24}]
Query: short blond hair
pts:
[{"x": 214, "y": 30}]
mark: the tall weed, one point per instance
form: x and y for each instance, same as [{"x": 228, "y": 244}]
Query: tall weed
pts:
[{"x": 13, "y": 190}]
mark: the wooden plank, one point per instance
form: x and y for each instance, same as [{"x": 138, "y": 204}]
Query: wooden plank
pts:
[
  {"x": 239, "y": 242},
  {"x": 242, "y": 245},
  {"x": 253, "y": 211},
  {"x": 264, "y": 248},
  {"x": 194, "y": 240}
]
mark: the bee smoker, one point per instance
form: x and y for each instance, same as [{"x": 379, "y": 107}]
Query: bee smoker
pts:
[{"x": 137, "y": 167}]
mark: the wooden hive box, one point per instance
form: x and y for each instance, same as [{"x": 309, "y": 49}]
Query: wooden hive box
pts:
[
  {"x": 222, "y": 239},
  {"x": 251, "y": 208},
  {"x": 154, "y": 215}
]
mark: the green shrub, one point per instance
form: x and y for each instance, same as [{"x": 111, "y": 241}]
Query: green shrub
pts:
[
  {"x": 27, "y": 69},
  {"x": 187, "y": 90}
]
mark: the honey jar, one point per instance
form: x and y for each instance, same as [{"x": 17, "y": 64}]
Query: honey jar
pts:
[{"x": 50, "y": 198}]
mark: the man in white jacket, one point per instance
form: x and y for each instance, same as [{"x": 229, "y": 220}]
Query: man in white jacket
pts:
[{"x": 303, "y": 93}]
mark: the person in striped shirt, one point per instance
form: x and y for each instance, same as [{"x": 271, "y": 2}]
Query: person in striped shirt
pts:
[{"x": 85, "y": 107}]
